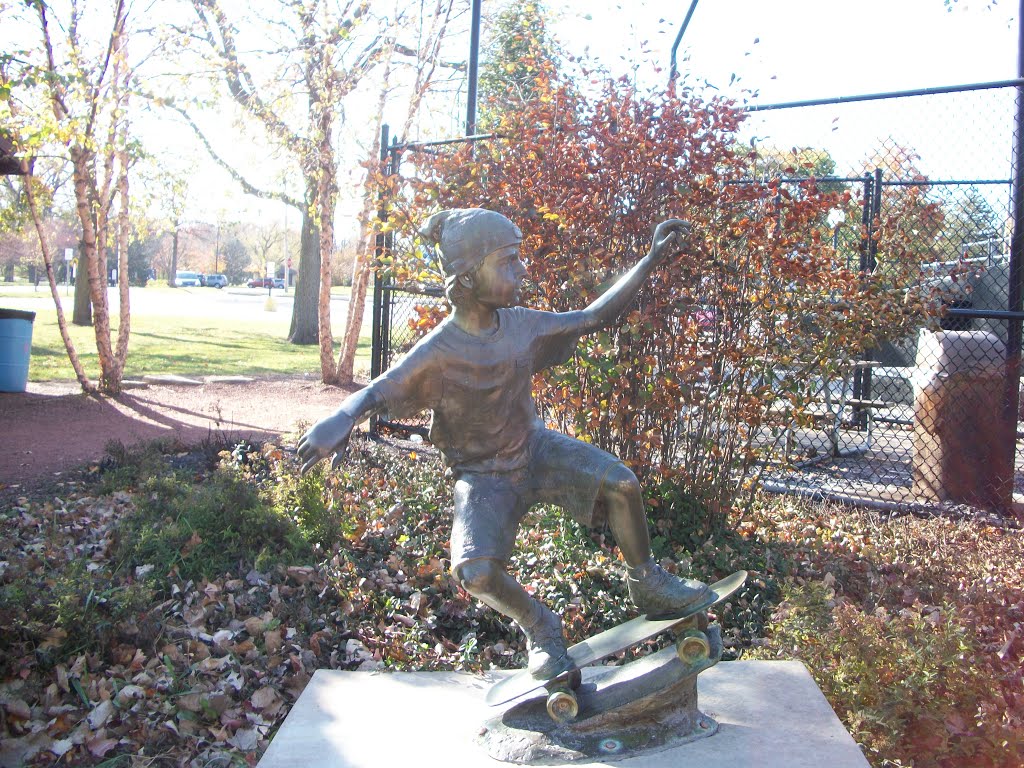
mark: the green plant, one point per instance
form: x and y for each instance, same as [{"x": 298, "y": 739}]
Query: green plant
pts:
[
  {"x": 205, "y": 529},
  {"x": 124, "y": 468},
  {"x": 731, "y": 340},
  {"x": 62, "y": 612},
  {"x": 911, "y": 685}
]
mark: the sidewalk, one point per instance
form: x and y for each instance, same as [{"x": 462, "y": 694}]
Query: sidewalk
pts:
[{"x": 53, "y": 428}]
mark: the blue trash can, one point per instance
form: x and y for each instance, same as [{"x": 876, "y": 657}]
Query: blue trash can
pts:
[{"x": 15, "y": 348}]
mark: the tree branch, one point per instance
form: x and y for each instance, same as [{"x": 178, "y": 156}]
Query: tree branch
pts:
[
  {"x": 405, "y": 50},
  {"x": 237, "y": 78},
  {"x": 247, "y": 186}
]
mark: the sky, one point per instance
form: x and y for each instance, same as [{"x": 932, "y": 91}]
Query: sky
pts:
[
  {"x": 799, "y": 49},
  {"x": 764, "y": 52},
  {"x": 761, "y": 52}
]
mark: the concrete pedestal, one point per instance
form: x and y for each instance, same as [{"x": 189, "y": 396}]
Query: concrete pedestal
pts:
[{"x": 771, "y": 714}]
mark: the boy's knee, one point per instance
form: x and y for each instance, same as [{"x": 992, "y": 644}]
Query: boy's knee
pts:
[
  {"x": 621, "y": 483},
  {"x": 480, "y": 576}
]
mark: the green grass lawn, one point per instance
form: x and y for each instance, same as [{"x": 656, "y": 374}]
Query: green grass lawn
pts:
[{"x": 187, "y": 346}]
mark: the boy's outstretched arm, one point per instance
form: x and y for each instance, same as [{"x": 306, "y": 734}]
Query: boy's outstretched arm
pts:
[
  {"x": 331, "y": 434},
  {"x": 669, "y": 238}
]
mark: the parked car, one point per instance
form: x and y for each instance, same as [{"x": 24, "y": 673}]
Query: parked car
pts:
[
  {"x": 187, "y": 279},
  {"x": 216, "y": 281},
  {"x": 261, "y": 282}
]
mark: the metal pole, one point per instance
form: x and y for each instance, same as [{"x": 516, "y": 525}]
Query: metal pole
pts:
[
  {"x": 1015, "y": 295},
  {"x": 872, "y": 263},
  {"x": 673, "y": 70},
  {"x": 885, "y": 95},
  {"x": 474, "y": 69},
  {"x": 859, "y": 414},
  {"x": 378, "y": 283}
]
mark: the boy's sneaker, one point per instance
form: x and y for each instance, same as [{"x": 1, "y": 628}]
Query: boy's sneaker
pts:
[
  {"x": 546, "y": 646},
  {"x": 658, "y": 593}
]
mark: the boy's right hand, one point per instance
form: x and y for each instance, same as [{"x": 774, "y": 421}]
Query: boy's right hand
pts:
[
  {"x": 327, "y": 436},
  {"x": 669, "y": 238}
]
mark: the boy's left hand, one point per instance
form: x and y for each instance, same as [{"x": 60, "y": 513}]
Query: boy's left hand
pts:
[{"x": 669, "y": 238}]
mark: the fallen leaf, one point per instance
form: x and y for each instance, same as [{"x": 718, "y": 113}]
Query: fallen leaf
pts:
[
  {"x": 101, "y": 715},
  {"x": 264, "y": 698},
  {"x": 17, "y": 709},
  {"x": 62, "y": 678},
  {"x": 98, "y": 746},
  {"x": 129, "y": 694},
  {"x": 300, "y": 573},
  {"x": 54, "y": 639},
  {"x": 245, "y": 739},
  {"x": 222, "y": 637},
  {"x": 61, "y": 747},
  {"x": 273, "y": 641}
]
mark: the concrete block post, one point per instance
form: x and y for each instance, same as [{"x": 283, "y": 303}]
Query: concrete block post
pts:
[{"x": 960, "y": 435}]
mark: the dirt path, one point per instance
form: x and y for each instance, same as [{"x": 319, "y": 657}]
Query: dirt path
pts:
[{"x": 53, "y": 428}]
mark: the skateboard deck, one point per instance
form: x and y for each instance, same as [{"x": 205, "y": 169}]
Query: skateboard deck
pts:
[{"x": 611, "y": 641}]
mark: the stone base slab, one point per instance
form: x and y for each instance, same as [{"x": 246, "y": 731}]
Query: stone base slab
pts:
[{"x": 771, "y": 714}]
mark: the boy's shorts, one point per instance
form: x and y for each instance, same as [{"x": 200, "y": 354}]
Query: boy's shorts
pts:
[{"x": 489, "y": 505}]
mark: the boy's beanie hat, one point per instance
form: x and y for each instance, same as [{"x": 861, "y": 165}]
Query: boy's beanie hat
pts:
[{"x": 466, "y": 236}]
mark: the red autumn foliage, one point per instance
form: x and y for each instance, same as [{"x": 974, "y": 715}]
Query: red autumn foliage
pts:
[{"x": 730, "y": 343}]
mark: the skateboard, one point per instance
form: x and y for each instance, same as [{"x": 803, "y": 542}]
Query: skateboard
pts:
[{"x": 691, "y": 647}]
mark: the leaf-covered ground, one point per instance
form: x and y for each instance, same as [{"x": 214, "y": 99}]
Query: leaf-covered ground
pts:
[{"x": 167, "y": 610}]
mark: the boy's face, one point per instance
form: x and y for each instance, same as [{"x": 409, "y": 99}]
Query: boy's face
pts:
[{"x": 497, "y": 280}]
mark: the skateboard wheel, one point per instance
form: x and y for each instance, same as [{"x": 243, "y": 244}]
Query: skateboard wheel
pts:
[
  {"x": 693, "y": 646},
  {"x": 562, "y": 706}
]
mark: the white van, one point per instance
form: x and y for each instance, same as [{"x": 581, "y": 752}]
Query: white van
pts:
[{"x": 187, "y": 280}]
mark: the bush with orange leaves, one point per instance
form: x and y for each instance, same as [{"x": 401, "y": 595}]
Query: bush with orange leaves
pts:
[{"x": 730, "y": 342}]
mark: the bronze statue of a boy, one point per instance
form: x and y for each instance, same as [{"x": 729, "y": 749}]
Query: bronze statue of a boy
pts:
[{"x": 474, "y": 373}]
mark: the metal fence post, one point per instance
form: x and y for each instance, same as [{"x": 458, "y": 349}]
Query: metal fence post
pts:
[
  {"x": 1015, "y": 290},
  {"x": 378, "y": 340},
  {"x": 859, "y": 414}
]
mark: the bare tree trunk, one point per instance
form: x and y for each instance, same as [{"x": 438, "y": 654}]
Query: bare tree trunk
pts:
[
  {"x": 305, "y": 323},
  {"x": 328, "y": 370},
  {"x": 123, "y": 227},
  {"x": 82, "y": 312},
  {"x": 360, "y": 264},
  {"x": 362, "y": 268},
  {"x": 172, "y": 273},
  {"x": 92, "y": 193},
  {"x": 304, "y": 327},
  {"x": 62, "y": 322}
]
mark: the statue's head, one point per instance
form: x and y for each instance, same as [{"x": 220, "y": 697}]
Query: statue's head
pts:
[{"x": 464, "y": 238}]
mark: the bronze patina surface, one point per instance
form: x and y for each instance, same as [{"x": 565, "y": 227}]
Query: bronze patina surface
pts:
[{"x": 474, "y": 373}]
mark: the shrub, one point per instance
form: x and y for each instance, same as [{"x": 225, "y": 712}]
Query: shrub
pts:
[
  {"x": 729, "y": 343},
  {"x": 202, "y": 530},
  {"x": 62, "y": 612},
  {"x": 907, "y": 684}
]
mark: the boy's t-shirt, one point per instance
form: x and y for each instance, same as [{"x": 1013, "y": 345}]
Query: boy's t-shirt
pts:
[{"x": 480, "y": 389}]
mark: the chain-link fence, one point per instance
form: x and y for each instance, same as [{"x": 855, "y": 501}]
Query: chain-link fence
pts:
[
  {"x": 401, "y": 314},
  {"x": 929, "y": 417},
  {"x": 921, "y": 419}
]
